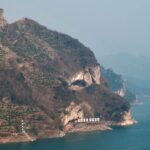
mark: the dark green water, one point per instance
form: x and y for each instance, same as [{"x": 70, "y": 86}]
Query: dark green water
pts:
[{"x": 135, "y": 137}]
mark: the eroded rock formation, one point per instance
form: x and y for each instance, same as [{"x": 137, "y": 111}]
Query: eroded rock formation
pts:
[
  {"x": 49, "y": 80},
  {"x": 84, "y": 78},
  {"x": 72, "y": 113}
]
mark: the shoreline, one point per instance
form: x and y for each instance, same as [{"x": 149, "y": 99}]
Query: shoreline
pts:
[{"x": 22, "y": 138}]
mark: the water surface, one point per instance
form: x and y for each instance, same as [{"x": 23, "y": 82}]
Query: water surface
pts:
[{"x": 135, "y": 137}]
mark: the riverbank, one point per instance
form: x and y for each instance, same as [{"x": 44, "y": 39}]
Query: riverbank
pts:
[
  {"x": 88, "y": 128},
  {"x": 133, "y": 137},
  {"x": 24, "y": 137},
  {"x": 15, "y": 138}
]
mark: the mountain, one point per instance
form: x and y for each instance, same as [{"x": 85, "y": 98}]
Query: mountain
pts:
[
  {"x": 117, "y": 85},
  {"x": 135, "y": 70},
  {"x": 51, "y": 84}
]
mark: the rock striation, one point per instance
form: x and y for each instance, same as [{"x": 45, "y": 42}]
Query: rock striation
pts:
[{"x": 72, "y": 113}]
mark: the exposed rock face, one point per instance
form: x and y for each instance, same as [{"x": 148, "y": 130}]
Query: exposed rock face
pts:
[
  {"x": 95, "y": 74},
  {"x": 85, "y": 78},
  {"x": 127, "y": 120},
  {"x": 41, "y": 73}
]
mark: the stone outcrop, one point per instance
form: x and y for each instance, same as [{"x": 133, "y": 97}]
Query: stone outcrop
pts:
[
  {"x": 121, "y": 92},
  {"x": 127, "y": 120},
  {"x": 84, "y": 78},
  {"x": 72, "y": 113},
  {"x": 43, "y": 83}
]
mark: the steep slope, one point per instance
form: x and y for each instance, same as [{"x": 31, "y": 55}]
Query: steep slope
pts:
[
  {"x": 48, "y": 81},
  {"x": 116, "y": 83},
  {"x": 135, "y": 69}
]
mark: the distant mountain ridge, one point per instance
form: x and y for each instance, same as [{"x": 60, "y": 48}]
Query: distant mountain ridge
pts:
[
  {"x": 49, "y": 80},
  {"x": 116, "y": 83},
  {"x": 135, "y": 69}
]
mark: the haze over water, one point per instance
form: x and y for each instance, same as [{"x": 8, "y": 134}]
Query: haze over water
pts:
[
  {"x": 106, "y": 26},
  {"x": 121, "y": 138}
]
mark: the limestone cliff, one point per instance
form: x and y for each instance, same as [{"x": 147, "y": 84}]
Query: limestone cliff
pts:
[
  {"x": 126, "y": 120},
  {"x": 122, "y": 91},
  {"x": 72, "y": 113},
  {"x": 84, "y": 78},
  {"x": 49, "y": 79}
]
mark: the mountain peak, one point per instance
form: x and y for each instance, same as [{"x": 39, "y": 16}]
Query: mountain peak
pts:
[{"x": 34, "y": 58}]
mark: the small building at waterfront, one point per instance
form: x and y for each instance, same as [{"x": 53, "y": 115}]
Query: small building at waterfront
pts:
[{"x": 88, "y": 120}]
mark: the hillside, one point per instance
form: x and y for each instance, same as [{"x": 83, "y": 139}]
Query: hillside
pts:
[
  {"x": 135, "y": 69},
  {"x": 48, "y": 81},
  {"x": 117, "y": 85}
]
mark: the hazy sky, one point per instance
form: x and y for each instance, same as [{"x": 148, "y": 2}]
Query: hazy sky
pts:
[{"x": 106, "y": 26}]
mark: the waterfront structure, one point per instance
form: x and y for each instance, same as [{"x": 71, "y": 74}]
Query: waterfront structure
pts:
[
  {"x": 88, "y": 120},
  {"x": 22, "y": 126}
]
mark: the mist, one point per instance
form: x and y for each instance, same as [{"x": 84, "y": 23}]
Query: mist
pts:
[{"x": 106, "y": 26}]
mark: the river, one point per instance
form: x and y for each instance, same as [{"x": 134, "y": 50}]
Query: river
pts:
[{"x": 136, "y": 137}]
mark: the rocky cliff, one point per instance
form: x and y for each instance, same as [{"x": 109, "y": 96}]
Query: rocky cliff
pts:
[
  {"x": 116, "y": 83},
  {"x": 85, "y": 78},
  {"x": 49, "y": 80}
]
